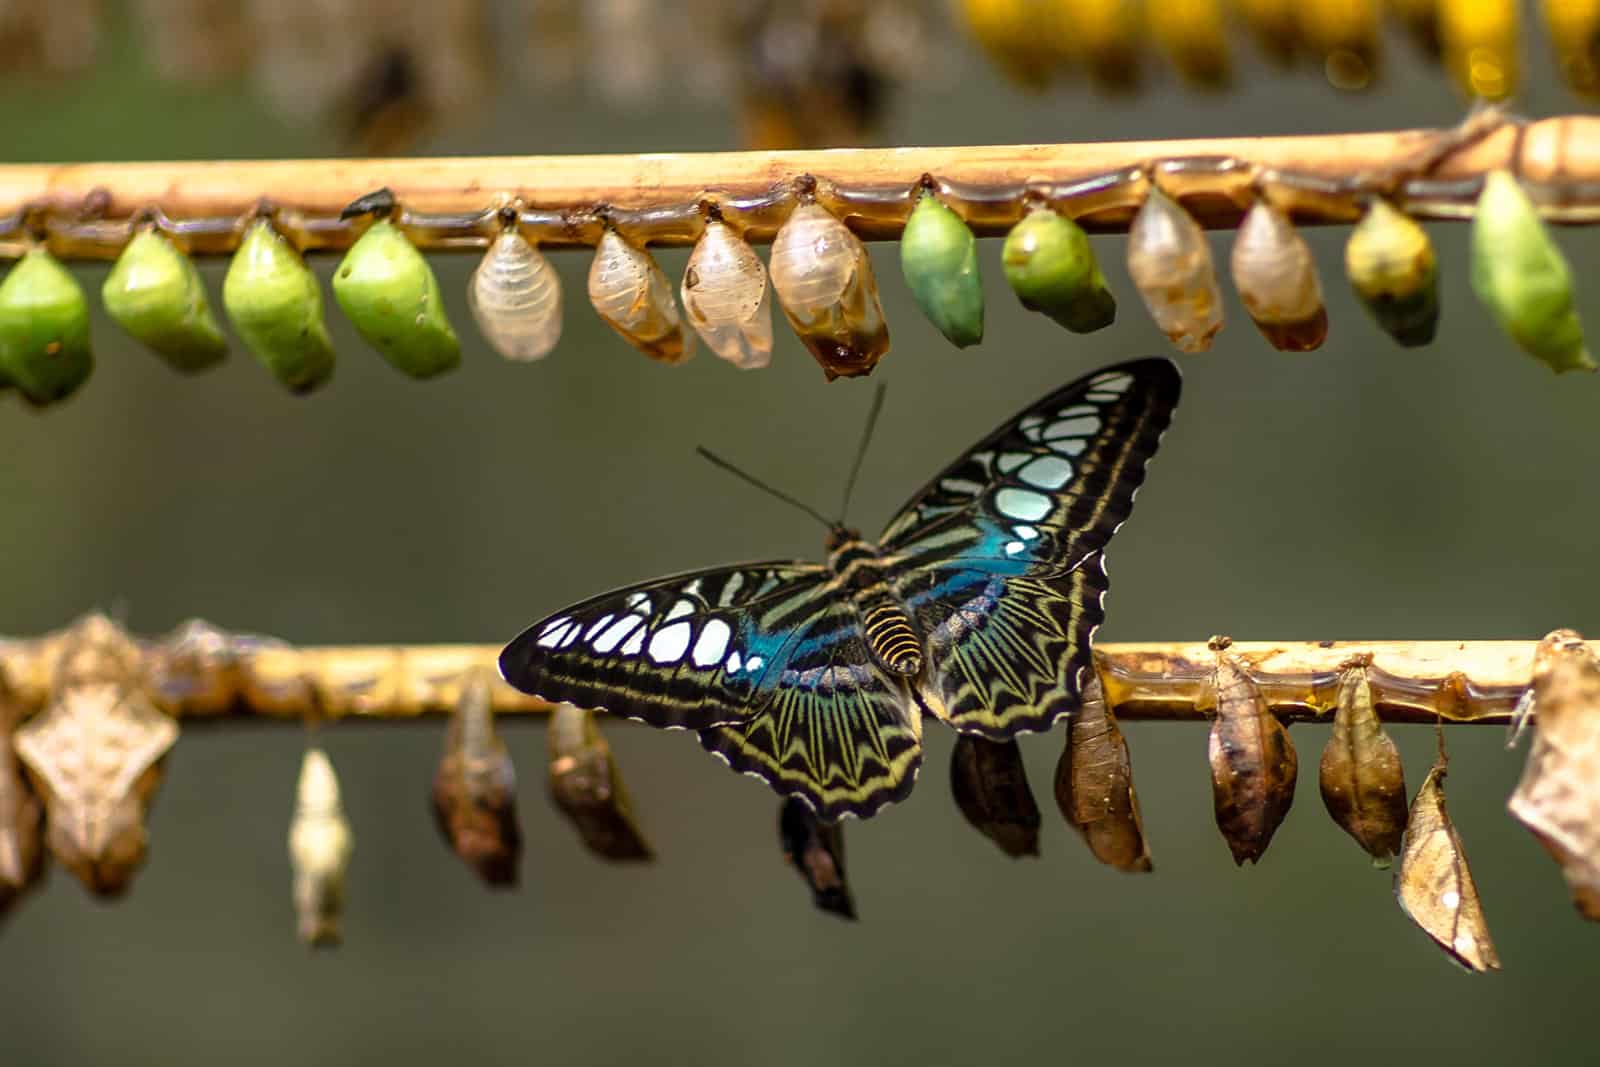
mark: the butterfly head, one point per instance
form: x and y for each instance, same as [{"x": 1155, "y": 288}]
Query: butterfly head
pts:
[{"x": 840, "y": 535}]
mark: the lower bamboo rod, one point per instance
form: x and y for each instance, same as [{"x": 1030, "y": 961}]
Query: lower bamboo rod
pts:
[{"x": 202, "y": 672}]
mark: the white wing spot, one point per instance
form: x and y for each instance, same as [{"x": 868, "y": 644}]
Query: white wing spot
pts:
[
  {"x": 713, "y": 642},
  {"x": 1072, "y": 446},
  {"x": 1014, "y": 547},
  {"x": 638, "y": 602},
  {"x": 1022, "y": 504},
  {"x": 1047, "y": 472},
  {"x": 668, "y": 644},
  {"x": 596, "y": 626},
  {"x": 961, "y": 486},
  {"x": 754, "y": 663},
  {"x": 635, "y": 642},
  {"x": 553, "y": 632},
  {"x": 1027, "y": 533},
  {"x": 1075, "y": 426},
  {"x": 680, "y": 609},
  {"x": 614, "y": 633},
  {"x": 1010, "y": 461},
  {"x": 1115, "y": 383},
  {"x": 734, "y": 662}
]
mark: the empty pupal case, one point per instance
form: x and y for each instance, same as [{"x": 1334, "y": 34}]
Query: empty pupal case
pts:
[
  {"x": 1277, "y": 280},
  {"x": 1170, "y": 262},
  {"x": 725, "y": 297},
  {"x": 823, "y": 277},
  {"x": 515, "y": 296},
  {"x": 629, "y": 291}
]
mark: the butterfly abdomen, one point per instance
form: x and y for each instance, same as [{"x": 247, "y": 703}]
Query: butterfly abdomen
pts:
[{"x": 890, "y": 636}]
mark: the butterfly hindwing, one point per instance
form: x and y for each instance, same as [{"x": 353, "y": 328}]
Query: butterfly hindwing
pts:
[
  {"x": 998, "y": 558},
  {"x": 838, "y": 731},
  {"x": 691, "y": 651}
]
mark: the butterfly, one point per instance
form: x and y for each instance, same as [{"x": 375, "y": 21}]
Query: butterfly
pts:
[{"x": 976, "y": 607}]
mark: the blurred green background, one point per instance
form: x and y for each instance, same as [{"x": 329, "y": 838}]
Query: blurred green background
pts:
[{"x": 1359, "y": 492}]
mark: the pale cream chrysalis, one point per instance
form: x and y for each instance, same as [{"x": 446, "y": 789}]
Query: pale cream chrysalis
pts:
[
  {"x": 1170, "y": 263},
  {"x": 823, "y": 277},
  {"x": 725, "y": 297},
  {"x": 1277, "y": 279},
  {"x": 515, "y": 295},
  {"x": 629, "y": 291}
]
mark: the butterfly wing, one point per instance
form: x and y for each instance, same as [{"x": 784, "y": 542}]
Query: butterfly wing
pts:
[
  {"x": 689, "y": 652},
  {"x": 998, "y": 558},
  {"x": 837, "y": 732}
]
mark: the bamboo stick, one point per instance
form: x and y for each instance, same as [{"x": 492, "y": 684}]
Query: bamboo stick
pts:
[
  {"x": 84, "y": 210},
  {"x": 202, "y": 673}
]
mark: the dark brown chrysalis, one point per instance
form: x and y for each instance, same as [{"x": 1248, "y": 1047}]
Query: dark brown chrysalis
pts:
[
  {"x": 990, "y": 786},
  {"x": 1363, "y": 782},
  {"x": 1253, "y": 764},
  {"x": 587, "y": 788},
  {"x": 816, "y": 849},
  {"x": 475, "y": 788},
  {"x": 1094, "y": 785}
]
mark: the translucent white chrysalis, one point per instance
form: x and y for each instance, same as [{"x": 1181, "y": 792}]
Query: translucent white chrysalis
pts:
[
  {"x": 631, "y": 293},
  {"x": 824, "y": 280},
  {"x": 515, "y": 295},
  {"x": 725, "y": 297}
]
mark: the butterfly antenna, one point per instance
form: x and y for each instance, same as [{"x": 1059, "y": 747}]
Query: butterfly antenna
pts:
[
  {"x": 761, "y": 485},
  {"x": 861, "y": 453}
]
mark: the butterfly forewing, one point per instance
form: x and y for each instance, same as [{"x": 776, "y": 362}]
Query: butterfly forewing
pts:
[
  {"x": 691, "y": 651},
  {"x": 998, "y": 558}
]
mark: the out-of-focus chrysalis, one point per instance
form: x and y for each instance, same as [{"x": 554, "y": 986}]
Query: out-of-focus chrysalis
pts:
[
  {"x": 939, "y": 258},
  {"x": 1274, "y": 25},
  {"x": 1363, "y": 782},
  {"x": 990, "y": 786},
  {"x": 94, "y": 754},
  {"x": 275, "y": 303},
  {"x": 1480, "y": 43},
  {"x": 1170, "y": 262},
  {"x": 725, "y": 297},
  {"x": 816, "y": 849},
  {"x": 44, "y": 329},
  {"x": 1191, "y": 33},
  {"x": 155, "y": 293},
  {"x": 823, "y": 277},
  {"x": 1052, "y": 269},
  {"x": 1574, "y": 27},
  {"x": 21, "y": 814},
  {"x": 630, "y": 292},
  {"x": 1277, "y": 280},
  {"x": 1434, "y": 884},
  {"x": 1393, "y": 270},
  {"x": 1523, "y": 278},
  {"x": 587, "y": 787},
  {"x": 1421, "y": 20},
  {"x": 1253, "y": 763},
  {"x": 1106, "y": 36},
  {"x": 319, "y": 851},
  {"x": 1558, "y": 797},
  {"x": 515, "y": 297},
  {"x": 390, "y": 294},
  {"x": 1094, "y": 785},
  {"x": 1011, "y": 33},
  {"x": 475, "y": 787},
  {"x": 1344, "y": 33}
]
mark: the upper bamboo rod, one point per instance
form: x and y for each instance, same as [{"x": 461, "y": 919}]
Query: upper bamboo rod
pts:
[
  {"x": 83, "y": 210},
  {"x": 202, "y": 672}
]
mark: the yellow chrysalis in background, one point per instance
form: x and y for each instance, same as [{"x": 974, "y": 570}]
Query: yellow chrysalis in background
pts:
[
  {"x": 1480, "y": 39},
  {"x": 1575, "y": 31},
  {"x": 1192, "y": 34}
]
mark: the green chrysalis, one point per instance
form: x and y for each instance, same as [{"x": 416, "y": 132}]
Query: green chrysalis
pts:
[
  {"x": 155, "y": 293},
  {"x": 276, "y": 305},
  {"x": 1393, "y": 270},
  {"x": 939, "y": 257},
  {"x": 1518, "y": 271},
  {"x": 44, "y": 329},
  {"x": 1052, "y": 269},
  {"x": 388, "y": 291}
]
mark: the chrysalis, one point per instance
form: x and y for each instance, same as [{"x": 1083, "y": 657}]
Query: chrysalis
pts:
[
  {"x": 1094, "y": 785},
  {"x": 319, "y": 851},
  {"x": 515, "y": 296},
  {"x": 389, "y": 293},
  {"x": 1274, "y": 25},
  {"x": 939, "y": 257},
  {"x": 816, "y": 849},
  {"x": 631, "y": 293},
  {"x": 1107, "y": 36},
  {"x": 1480, "y": 42},
  {"x": 1253, "y": 763},
  {"x": 275, "y": 303},
  {"x": 155, "y": 293},
  {"x": 1277, "y": 280},
  {"x": 1575, "y": 30},
  {"x": 990, "y": 786},
  {"x": 21, "y": 814},
  {"x": 1521, "y": 275},
  {"x": 1421, "y": 20},
  {"x": 44, "y": 329},
  {"x": 587, "y": 787},
  {"x": 1190, "y": 32},
  {"x": 823, "y": 277},
  {"x": 1345, "y": 34},
  {"x": 725, "y": 297},
  {"x": 1170, "y": 262},
  {"x": 1558, "y": 797},
  {"x": 1434, "y": 884},
  {"x": 1392, "y": 267},
  {"x": 1052, "y": 269},
  {"x": 475, "y": 788},
  {"x": 1011, "y": 34},
  {"x": 94, "y": 754},
  {"x": 1363, "y": 782}
]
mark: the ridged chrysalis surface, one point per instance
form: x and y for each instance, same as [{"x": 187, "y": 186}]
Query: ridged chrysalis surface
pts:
[
  {"x": 515, "y": 296},
  {"x": 823, "y": 277},
  {"x": 630, "y": 292},
  {"x": 725, "y": 297}
]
